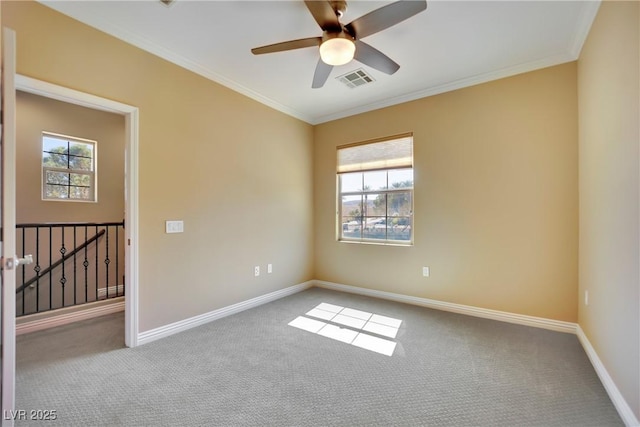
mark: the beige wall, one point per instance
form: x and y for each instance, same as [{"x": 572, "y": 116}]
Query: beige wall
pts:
[
  {"x": 35, "y": 114},
  {"x": 609, "y": 93},
  {"x": 495, "y": 197},
  {"x": 237, "y": 172}
]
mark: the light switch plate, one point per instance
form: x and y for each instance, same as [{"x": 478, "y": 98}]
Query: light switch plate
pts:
[{"x": 174, "y": 226}]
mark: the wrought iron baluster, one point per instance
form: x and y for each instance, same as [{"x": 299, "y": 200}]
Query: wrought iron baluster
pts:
[
  {"x": 75, "y": 270},
  {"x": 106, "y": 262},
  {"x": 97, "y": 281},
  {"x": 63, "y": 251},
  {"x": 50, "y": 263},
  {"x": 23, "y": 272},
  {"x": 117, "y": 250},
  {"x": 37, "y": 269},
  {"x": 85, "y": 263}
]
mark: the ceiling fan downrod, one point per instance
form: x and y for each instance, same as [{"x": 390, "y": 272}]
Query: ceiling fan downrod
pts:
[{"x": 339, "y": 7}]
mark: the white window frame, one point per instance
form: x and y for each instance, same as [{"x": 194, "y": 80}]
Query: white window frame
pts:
[
  {"x": 340, "y": 237},
  {"x": 93, "y": 185}
]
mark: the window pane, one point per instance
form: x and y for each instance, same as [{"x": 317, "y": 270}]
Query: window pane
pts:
[
  {"x": 81, "y": 149},
  {"x": 352, "y": 206},
  {"x": 401, "y": 178},
  {"x": 352, "y": 229},
  {"x": 399, "y": 228},
  {"x": 351, "y": 216},
  {"x": 61, "y": 178},
  {"x": 375, "y": 180},
  {"x": 82, "y": 193},
  {"x": 80, "y": 163},
  {"x": 55, "y": 160},
  {"x": 350, "y": 182},
  {"x": 399, "y": 204},
  {"x": 56, "y": 191},
  {"x": 80, "y": 180},
  {"x": 54, "y": 145},
  {"x": 375, "y": 204},
  {"x": 81, "y": 156},
  {"x": 375, "y": 228}
]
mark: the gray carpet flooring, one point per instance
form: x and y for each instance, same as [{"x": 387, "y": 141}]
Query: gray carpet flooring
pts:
[{"x": 252, "y": 369}]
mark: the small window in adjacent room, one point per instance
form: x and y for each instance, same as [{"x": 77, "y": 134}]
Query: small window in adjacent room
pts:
[
  {"x": 68, "y": 168},
  {"x": 375, "y": 191}
]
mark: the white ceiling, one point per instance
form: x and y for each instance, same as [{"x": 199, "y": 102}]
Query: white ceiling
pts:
[{"x": 452, "y": 44}]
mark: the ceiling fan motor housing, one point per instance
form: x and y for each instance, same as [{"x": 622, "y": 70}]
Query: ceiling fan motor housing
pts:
[{"x": 342, "y": 34}]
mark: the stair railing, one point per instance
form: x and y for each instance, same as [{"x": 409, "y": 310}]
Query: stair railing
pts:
[{"x": 89, "y": 269}]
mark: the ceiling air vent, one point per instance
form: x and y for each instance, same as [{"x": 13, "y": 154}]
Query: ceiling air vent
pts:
[{"x": 356, "y": 78}]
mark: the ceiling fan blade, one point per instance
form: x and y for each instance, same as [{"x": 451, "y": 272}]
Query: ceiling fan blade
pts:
[
  {"x": 372, "y": 57},
  {"x": 385, "y": 17},
  {"x": 323, "y": 13},
  {"x": 321, "y": 75},
  {"x": 290, "y": 45}
]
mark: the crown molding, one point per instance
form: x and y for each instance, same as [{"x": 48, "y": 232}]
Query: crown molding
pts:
[
  {"x": 581, "y": 32},
  {"x": 179, "y": 60},
  {"x": 451, "y": 86}
]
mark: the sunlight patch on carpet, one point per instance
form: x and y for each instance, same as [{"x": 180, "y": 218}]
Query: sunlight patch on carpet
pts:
[{"x": 354, "y": 322}]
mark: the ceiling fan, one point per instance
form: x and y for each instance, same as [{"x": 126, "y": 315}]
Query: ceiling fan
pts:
[{"x": 340, "y": 43}]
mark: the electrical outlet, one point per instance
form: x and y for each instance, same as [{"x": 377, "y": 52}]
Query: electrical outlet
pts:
[
  {"x": 256, "y": 270},
  {"x": 425, "y": 271},
  {"x": 269, "y": 268},
  {"x": 586, "y": 297}
]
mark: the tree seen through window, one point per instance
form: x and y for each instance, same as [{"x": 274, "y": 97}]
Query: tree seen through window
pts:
[{"x": 68, "y": 168}]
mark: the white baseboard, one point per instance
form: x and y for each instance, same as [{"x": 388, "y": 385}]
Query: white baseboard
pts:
[
  {"x": 503, "y": 316},
  {"x": 192, "y": 322},
  {"x": 619, "y": 402},
  {"x": 64, "y": 316}
]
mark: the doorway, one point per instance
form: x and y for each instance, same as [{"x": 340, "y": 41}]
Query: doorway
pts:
[
  {"x": 69, "y": 212},
  {"x": 130, "y": 243}
]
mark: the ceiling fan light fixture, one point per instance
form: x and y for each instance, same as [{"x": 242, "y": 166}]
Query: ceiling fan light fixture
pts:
[{"x": 337, "y": 51}]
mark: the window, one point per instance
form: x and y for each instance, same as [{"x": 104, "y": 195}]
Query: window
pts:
[
  {"x": 375, "y": 191},
  {"x": 68, "y": 168}
]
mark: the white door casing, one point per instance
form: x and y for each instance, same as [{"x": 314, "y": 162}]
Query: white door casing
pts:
[
  {"x": 130, "y": 113},
  {"x": 8, "y": 214}
]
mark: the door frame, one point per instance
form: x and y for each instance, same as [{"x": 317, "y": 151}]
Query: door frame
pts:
[
  {"x": 8, "y": 220},
  {"x": 131, "y": 115}
]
